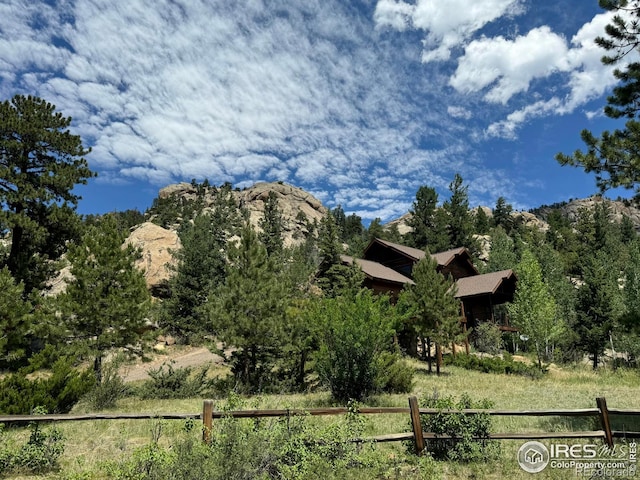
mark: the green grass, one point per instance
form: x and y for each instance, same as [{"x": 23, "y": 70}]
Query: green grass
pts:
[{"x": 88, "y": 444}]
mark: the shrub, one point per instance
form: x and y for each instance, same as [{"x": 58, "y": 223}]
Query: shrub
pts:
[
  {"x": 169, "y": 382},
  {"x": 469, "y": 434},
  {"x": 394, "y": 375},
  {"x": 253, "y": 448},
  {"x": 354, "y": 331},
  {"x": 506, "y": 365},
  {"x": 38, "y": 455},
  {"x": 488, "y": 338},
  {"x": 109, "y": 391},
  {"x": 57, "y": 393}
]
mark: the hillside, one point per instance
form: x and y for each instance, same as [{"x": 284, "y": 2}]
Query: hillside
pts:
[{"x": 299, "y": 209}]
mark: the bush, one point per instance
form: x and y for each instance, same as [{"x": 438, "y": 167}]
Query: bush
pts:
[
  {"x": 109, "y": 391},
  {"x": 470, "y": 433},
  {"x": 57, "y": 393},
  {"x": 253, "y": 448},
  {"x": 394, "y": 375},
  {"x": 169, "y": 382},
  {"x": 354, "y": 331},
  {"x": 487, "y": 338},
  {"x": 38, "y": 455},
  {"x": 506, "y": 365}
]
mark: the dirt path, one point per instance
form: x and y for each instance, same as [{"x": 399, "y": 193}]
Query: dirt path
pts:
[{"x": 182, "y": 357}]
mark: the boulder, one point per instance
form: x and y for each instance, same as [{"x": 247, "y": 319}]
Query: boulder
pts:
[{"x": 156, "y": 244}]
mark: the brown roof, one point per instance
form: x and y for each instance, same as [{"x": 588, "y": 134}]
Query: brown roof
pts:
[
  {"x": 414, "y": 253},
  {"x": 482, "y": 284},
  {"x": 443, "y": 258},
  {"x": 377, "y": 271}
]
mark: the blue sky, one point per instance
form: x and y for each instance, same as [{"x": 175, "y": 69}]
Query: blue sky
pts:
[{"x": 358, "y": 102}]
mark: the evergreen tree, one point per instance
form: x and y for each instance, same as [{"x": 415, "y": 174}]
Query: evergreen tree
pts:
[
  {"x": 333, "y": 276},
  {"x": 598, "y": 305},
  {"x": 628, "y": 328},
  {"x": 15, "y": 320},
  {"x": 106, "y": 302},
  {"x": 614, "y": 156},
  {"x": 502, "y": 215},
  {"x": 272, "y": 226},
  {"x": 340, "y": 219},
  {"x": 428, "y": 223},
  {"x": 249, "y": 312},
  {"x": 503, "y": 254},
  {"x": 533, "y": 310},
  {"x": 41, "y": 163},
  {"x": 432, "y": 304},
  {"x": 481, "y": 222},
  {"x": 201, "y": 266},
  {"x": 460, "y": 223}
]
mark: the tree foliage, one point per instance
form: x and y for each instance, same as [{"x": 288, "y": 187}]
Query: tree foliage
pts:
[
  {"x": 598, "y": 305},
  {"x": 533, "y": 309},
  {"x": 272, "y": 225},
  {"x": 460, "y": 225},
  {"x": 15, "y": 320},
  {"x": 201, "y": 265},
  {"x": 432, "y": 305},
  {"x": 354, "y": 332},
  {"x": 427, "y": 222},
  {"x": 248, "y": 312},
  {"x": 40, "y": 164},
  {"x": 106, "y": 302},
  {"x": 614, "y": 157}
]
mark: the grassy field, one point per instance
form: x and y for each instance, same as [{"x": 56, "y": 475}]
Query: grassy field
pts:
[{"x": 89, "y": 444}]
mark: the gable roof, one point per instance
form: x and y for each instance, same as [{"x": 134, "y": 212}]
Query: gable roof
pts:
[
  {"x": 414, "y": 253},
  {"x": 486, "y": 284},
  {"x": 442, "y": 258},
  {"x": 377, "y": 271}
]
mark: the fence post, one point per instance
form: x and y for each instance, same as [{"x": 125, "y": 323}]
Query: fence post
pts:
[
  {"x": 604, "y": 420},
  {"x": 207, "y": 421},
  {"x": 416, "y": 424}
]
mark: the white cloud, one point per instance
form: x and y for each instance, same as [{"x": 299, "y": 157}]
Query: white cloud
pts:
[
  {"x": 448, "y": 25},
  {"x": 509, "y": 66},
  {"x": 459, "y": 112}
]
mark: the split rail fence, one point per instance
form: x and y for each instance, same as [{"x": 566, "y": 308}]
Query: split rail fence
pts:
[{"x": 417, "y": 435}]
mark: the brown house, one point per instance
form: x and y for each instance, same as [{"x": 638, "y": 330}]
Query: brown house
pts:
[{"x": 387, "y": 268}]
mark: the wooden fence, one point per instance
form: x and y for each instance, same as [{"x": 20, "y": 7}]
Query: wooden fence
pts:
[{"x": 417, "y": 435}]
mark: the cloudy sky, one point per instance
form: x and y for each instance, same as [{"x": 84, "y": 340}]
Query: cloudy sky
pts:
[{"x": 359, "y": 102}]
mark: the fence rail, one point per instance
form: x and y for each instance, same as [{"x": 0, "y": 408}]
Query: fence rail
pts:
[{"x": 208, "y": 414}]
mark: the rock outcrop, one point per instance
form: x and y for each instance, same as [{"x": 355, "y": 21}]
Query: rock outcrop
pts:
[
  {"x": 156, "y": 244},
  {"x": 292, "y": 202}
]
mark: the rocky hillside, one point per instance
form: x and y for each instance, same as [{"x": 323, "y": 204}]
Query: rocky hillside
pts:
[
  {"x": 537, "y": 217},
  {"x": 571, "y": 209},
  {"x": 156, "y": 243},
  {"x": 299, "y": 207}
]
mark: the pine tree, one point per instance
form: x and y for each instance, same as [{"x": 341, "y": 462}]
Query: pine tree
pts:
[
  {"x": 428, "y": 223},
  {"x": 106, "y": 303},
  {"x": 333, "y": 276},
  {"x": 503, "y": 254},
  {"x": 201, "y": 266},
  {"x": 614, "y": 157},
  {"x": 502, "y": 215},
  {"x": 460, "y": 223},
  {"x": 599, "y": 304},
  {"x": 432, "y": 303},
  {"x": 15, "y": 320},
  {"x": 481, "y": 222},
  {"x": 41, "y": 163},
  {"x": 248, "y": 312},
  {"x": 272, "y": 226}
]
